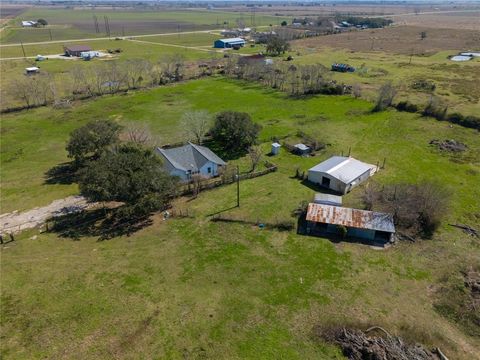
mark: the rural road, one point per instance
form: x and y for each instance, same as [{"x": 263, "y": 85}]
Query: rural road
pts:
[
  {"x": 433, "y": 13},
  {"x": 14, "y": 222},
  {"x": 109, "y": 38}
]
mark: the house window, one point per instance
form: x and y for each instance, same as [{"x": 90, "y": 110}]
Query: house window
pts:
[{"x": 209, "y": 170}]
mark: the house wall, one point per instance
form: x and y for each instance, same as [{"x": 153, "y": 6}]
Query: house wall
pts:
[
  {"x": 320, "y": 229},
  {"x": 204, "y": 169},
  {"x": 362, "y": 178},
  {"x": 335, "y": 185}
]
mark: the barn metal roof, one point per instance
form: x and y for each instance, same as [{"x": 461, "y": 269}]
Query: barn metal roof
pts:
[
  {"x": 327, "y": 199},
  {"x": 361, "y": 219},
  {"x": 233, "y": 40},
  {"x": 345, "y": 169}
]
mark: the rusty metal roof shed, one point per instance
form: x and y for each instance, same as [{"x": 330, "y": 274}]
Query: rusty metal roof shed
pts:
[{"x": 361, "y": 219}]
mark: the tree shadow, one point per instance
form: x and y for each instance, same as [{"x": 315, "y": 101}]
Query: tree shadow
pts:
[
  {"x": 64, "y": 173},
  {"x": 223, "y": 154},
  {"x": 221, "y": 211},
  {"x": 102, "y": 223}
]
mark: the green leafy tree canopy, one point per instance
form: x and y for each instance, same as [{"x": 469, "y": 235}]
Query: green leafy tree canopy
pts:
[
  {"x": 130, "y": 175},
  {"x": 92, "y": 139},
  {"x": 234, "y": 132}
]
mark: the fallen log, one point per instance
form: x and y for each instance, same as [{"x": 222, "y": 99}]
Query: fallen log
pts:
[{"x": 467, "y": 229}]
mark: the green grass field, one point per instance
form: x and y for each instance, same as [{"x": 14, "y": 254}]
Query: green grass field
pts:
[{"x": 193, "y": 288}]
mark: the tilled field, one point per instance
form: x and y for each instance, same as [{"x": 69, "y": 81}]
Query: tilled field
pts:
[{"x": 399, "y": 40}]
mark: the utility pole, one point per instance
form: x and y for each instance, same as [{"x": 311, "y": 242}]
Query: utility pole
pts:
[
  {"x": 107, "y": 26},
  {"x": 50, "y": 33},
  {"x": 95, "y": 23},
  {"x": 238, "y": 186},
  {"x": 23, "y": 49}
]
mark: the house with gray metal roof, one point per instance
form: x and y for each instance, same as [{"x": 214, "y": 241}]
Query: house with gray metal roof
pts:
[
  {"x": 191, "y": 159},
  {"x": 340, "y": 173},
  {"x": 373, "y": 226}
]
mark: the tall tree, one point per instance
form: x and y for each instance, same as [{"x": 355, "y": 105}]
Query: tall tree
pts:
[
  {"x": 234, "y": 131},
  {"x": 131, "y": 175},
  {"x": 385, "y": 97},
  {"x": 92, "y": 139},
  {"x": 276, "y": 46}
]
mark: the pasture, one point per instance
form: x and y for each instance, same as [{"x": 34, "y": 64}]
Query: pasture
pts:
[
  {"x": 457, "y": 84},
  {"x": 190, "y": 287}
]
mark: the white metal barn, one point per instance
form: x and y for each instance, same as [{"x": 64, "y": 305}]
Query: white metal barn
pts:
[{"x": 340, "y": 173}]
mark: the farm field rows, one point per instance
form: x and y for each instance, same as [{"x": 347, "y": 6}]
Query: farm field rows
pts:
[
  {"x": 192, "y": 287},
  {"x": 72, "y": 24}
]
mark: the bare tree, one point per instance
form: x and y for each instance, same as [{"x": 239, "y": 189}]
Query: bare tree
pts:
[
  {"x": 196, "y": 124},
  {"x": 172, "y": 68},
  {"x": 140, "y": 134},
  {"x": 357, "y": 90},
  {"x": 21, "y": 90},
  {"x": 386, "y": 94},
  {"x": 136, "y": 71},
  {"x": 78, "y": 80},
  {"x": 255, "y": 154}
]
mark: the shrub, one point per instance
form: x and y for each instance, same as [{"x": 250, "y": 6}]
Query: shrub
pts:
[
  {"x": 406, "y": 106},
  {"x": 417, "y": 208},
  {"x": 385, "y": 97},
  {"x": 466, "y": 121},
  {"x": 435, "y": 108}
]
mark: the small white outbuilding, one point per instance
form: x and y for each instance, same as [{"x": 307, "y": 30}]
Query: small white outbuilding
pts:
[
  {"x": 340, "y": 173},
  {"x": 32, "y": 70},
  {"x": 275, "y": 148}
]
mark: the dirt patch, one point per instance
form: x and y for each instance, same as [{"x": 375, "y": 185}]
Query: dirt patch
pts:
[
  {"x": 458, "y": 299},
  {"x": 397, "y": 40},
  {"x": 361, "y": 345},
  {"x": 449, "y": 145},
  {"x": 472, "y": 283}
]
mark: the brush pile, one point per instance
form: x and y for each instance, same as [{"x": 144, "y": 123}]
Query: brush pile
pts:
[{"x": 357, "y": 345}]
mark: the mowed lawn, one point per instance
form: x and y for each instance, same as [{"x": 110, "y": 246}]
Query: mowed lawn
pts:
[{"x": 193, "y": 288}]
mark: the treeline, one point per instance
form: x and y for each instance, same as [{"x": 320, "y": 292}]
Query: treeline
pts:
[
  {"x": 101, "y": 78},
  {"x": 437, "y": 109},
  {"x": 370, "y": 22},
  {"x": 295, "y": 80}
]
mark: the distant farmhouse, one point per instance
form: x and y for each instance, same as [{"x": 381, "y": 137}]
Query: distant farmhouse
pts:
[
  {"x": 29, "y": 23},
  {"x": 340, "y": 174},
  {"x": 323, "y": 219},
  {"x": 188, "y": 160},
  {"x": 229, "y": 43},
  {"x": 76, "y": 50}
]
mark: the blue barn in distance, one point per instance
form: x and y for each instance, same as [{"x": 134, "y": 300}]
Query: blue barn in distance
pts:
[{"x": 228, "y": 43}]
